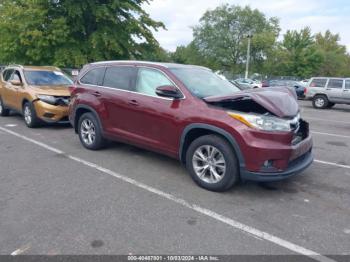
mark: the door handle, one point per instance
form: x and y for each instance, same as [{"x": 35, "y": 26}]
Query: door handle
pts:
[
  {"x": 133, "y": 102},
  {"x": 97, "y": 94},
  {"x": 346, "y": 90},
  {"x": 329, "y": 89}
]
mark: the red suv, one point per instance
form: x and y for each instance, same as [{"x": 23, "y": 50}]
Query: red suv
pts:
[{"x": 221, "y": 134}]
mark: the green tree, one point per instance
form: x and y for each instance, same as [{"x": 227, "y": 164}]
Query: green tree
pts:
[
  {"x": 335, "y": 57},
  {"x": 297, "y": 55},
  {"x": 74, "y": 32},
  {"x": 190, "y": 54},
  {"x": 221, "y": 36}
]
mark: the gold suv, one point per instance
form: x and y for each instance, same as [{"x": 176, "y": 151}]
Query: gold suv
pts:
[{"x": 38, "y": 93}]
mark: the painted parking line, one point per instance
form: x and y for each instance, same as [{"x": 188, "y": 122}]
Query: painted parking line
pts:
[
  {"x": 204, "y": 211},
  {"x": 332, "y": 164},
  {"x": 329, "y": 134},
  {"x": 20, "y": 251},
  {"x": 326, "y": 120}
]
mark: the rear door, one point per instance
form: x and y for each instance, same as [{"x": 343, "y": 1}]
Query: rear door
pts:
[
  {"x": 334, "y": 90},
  {"x": 6, "y": 91},
  {"x": 11, "y": 91},
  {"x": 116, "y": 96},
  {"x": 346, "y": 92}
]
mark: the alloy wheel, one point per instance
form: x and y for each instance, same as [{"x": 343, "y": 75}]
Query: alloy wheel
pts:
[
  {"x": 88, "y": 132},
  {"x": 319, "y": 102},
  {"x": 27, "y": 115},
  {"x": 209, "y": 164}
]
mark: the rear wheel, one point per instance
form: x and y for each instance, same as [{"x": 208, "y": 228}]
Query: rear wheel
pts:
[
  {"x": 29, "y": 115},
  {"x": 3, "y": 110},
  {"x": 90, "y": 133},
  {"x": 212, "y": 163},
  {"x": 320, "y": 102}
]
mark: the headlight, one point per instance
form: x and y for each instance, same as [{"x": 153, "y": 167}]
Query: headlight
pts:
[
  {"x": 47, "y": 99},
  {"x": 266, "y": 123}
]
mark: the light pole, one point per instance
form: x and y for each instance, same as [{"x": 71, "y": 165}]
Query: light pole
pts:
[{"x": 249, "y": 36}]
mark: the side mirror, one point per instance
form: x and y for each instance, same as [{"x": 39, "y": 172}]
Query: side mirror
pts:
[
  {"x": 168, "y": 91},
  {"x": 16, "y": 82}
]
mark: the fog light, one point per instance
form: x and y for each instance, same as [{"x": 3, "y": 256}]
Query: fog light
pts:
[
  {"x": 49, "y": 115},
  {"x": 268, "y": 163}
]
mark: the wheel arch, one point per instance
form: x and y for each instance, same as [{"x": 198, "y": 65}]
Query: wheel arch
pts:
[
  {"x": 79, "y": 111},
  {"x": 193, "y": 131},
  {"x": 320, "y": 94},
  {"x": 24, "y": 101}
]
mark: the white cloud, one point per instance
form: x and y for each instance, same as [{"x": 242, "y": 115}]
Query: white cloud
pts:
[{"x": 180, "y": 15}]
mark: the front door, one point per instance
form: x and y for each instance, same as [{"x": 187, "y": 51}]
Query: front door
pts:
[{"x": 154, "y": 118}]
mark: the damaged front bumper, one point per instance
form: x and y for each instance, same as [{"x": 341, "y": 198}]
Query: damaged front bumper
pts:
[{"x": 295, "y": 167}]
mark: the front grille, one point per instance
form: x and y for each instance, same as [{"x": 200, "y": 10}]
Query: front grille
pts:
[
  {"x": 295, "y": 124},
  {"x": 62, "y": 100},
  {"x": 301, "y": 132}
]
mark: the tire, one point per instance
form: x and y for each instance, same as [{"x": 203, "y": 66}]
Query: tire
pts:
[
  {"x": 330, "y": 105},
  {"x": 90, "y": 133},
  {"x": 3, "y": 110},
  {"x": 320, "y": 102},
  {"x": 29, "y": 115},
  {"x": 228, "y": 176}
]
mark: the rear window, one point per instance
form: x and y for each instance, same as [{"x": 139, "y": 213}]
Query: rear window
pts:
[
  {"x": 335, "y": 83},
  {"x": 94, "y": 76},
  {"x": 318, "y": 82},
  {"x": 120, "y": 77}
]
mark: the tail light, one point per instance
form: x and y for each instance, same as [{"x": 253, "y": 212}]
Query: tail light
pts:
[{"x": 305, "y": 91}]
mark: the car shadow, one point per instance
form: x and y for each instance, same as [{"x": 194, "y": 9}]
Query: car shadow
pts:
[
  {"x": 65, "y": 125},
  {"x": 248, "y": 188}
]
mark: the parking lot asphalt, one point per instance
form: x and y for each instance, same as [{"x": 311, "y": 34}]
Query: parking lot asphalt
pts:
[{"x": 58, "y": 198}]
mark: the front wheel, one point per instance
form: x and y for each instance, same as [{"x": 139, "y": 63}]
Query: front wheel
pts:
[
  {"x": 320, "y": 102},
  {"x": 29, "y": 115},
  {"x": 3, "y": 111},
  {"x": 90, "y": 133},
  {"x": 212, "y": 163}
]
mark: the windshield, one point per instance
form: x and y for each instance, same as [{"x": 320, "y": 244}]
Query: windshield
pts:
[
  {"x": 46, "y": 78},
  {"x": 203, "y": 83}
]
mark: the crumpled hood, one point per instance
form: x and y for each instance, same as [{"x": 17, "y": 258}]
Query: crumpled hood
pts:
[
  {"x": 52, "y": 90},
  {"x": 280, "y": 101}
]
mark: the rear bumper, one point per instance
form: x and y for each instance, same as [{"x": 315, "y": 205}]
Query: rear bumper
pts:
[{"x": 295, "y": 167}]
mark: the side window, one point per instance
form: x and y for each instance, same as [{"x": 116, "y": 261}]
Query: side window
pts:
[
  {"x": 335, "y": 83},
  {"x": 15, "y": 76},
  {"x": 149, "y": 79},
  {"x": 6, "y": 74},
  {"x": 347, "y": 84},
  {"x": 318, "y": 82},
  {"x": 120, "y": 77},
  {"x": 94, "y": 76}
]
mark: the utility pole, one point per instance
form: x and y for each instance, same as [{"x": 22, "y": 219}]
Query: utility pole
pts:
[{"x": 249, "y": 36}]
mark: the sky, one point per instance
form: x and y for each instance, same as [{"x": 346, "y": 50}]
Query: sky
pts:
[{"x": 180, "y": 15}]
